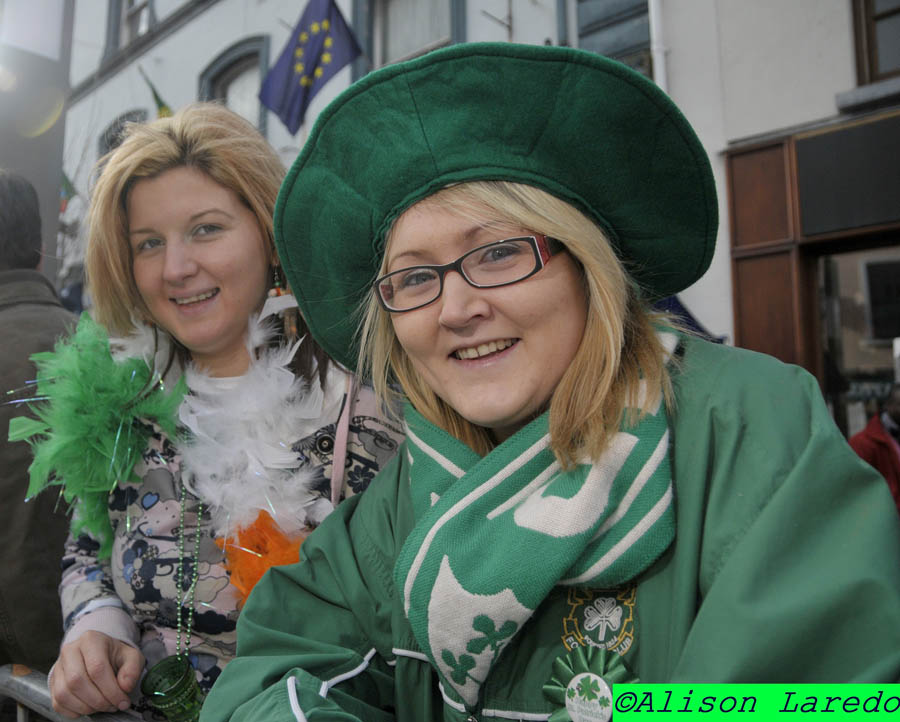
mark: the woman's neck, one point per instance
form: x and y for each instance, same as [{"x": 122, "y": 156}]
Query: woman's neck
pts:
[{"x": 223, "y": 365}]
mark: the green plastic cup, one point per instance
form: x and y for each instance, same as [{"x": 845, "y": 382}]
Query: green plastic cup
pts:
[{"x": 171, "y": 687}]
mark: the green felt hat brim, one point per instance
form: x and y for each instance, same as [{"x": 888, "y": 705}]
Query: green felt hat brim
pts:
[{"x": 580, "y": 126}]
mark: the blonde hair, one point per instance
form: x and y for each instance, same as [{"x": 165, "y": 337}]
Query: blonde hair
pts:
[
  {"x": 619, "y": 351},
  {"x": 211, "y": 139},
  {"x": 205, "y": 136}
]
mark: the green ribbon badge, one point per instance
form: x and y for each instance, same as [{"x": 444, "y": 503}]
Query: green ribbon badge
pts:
[{"x": 582, "y": 684}]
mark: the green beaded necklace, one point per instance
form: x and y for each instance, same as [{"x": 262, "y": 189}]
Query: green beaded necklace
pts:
[
  {"x": 179, "y": 577},
  {"x": 171, "y": 685}
]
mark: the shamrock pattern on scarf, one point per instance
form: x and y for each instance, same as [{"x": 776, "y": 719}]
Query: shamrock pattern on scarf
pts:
[
  {"x": 599, "y": 523},
  {"x": 491, "y": 637}
]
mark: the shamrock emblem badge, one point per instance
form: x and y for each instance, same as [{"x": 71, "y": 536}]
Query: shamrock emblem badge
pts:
[
  {"x": 603, "y": 613},
  {"x": 588, "y": 698},
  {"x": 582, "y": 682}
]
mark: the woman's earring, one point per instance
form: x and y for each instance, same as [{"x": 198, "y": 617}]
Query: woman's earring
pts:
[
  {"x": 288, "y": 315},
  {"x": 277, "y": 282}
]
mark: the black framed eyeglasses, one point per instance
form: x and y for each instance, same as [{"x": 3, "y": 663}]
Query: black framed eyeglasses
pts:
[{"x": 500, "y": 263}]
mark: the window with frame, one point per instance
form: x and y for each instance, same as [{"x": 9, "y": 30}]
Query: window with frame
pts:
[
  {"x": 877, "y": 27},
  {"x": 136, "y": 16},
  {"x": 389, "y": 31},
  {"x": 407, "y": 28},
  {"x": 882, "y": 284},
  {"x": 619, "y": 29},
  {"x": 235, "y": 76},
  {"x": 126, "y": 21},
  {"x": 111, "y": 137}
]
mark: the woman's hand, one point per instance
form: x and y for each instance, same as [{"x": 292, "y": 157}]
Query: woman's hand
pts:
[{"x": 95, "y": 673}]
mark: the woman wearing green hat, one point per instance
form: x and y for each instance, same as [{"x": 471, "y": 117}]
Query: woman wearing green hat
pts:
[{"x": 586, "y": 496}]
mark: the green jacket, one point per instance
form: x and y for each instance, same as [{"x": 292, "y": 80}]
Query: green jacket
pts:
[{"x": 785, "y": 568}]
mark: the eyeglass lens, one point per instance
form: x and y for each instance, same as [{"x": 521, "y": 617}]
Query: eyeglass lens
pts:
[{"x": 494, "y": 264}]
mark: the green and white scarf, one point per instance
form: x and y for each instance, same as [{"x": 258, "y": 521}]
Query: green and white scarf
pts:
[{"x": 495, "y": 534}]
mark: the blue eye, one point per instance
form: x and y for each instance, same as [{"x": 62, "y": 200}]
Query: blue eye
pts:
[
  {"x": 148, "y": 244},
  {"x": 416, "y": 277},
  {"x": 207, "y": 229},
  {"x": 499, "y": 253}
]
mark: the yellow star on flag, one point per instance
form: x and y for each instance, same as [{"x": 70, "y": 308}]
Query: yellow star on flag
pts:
[
  {"x": 328, "y": 42},
  {"x": 326, "y": 57},
  {"x": 306, "y": 81},
  {"x": 315, "y": 28},
  {"x": 299, "y": 68},
  {"x": 318, "y": 72},
  {"x": 326, "y": 24},
  {"x": 304, "y": 36},
  {"x": 298, "y": 53}
]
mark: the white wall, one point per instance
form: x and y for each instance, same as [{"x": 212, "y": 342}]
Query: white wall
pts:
[
  {"x": 741, "y": 69},
  {"x": 693, "y": 71},
  {"x": 164, "y": 8},
  {"x": 783, "y": 62}
]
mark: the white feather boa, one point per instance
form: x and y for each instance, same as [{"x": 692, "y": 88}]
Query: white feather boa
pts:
[{"x": 238, "y": 458}]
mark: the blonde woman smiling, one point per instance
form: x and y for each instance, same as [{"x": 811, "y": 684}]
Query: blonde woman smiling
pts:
[
  {"x": 202, "y": 442},
  {"x": 586, "y": 495}
]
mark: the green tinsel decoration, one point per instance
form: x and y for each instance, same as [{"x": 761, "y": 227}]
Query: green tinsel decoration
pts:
[{"x": 88, "y": 434}]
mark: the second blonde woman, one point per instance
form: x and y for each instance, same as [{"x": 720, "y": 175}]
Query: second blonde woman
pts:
[{"x": 206, "y": 436}]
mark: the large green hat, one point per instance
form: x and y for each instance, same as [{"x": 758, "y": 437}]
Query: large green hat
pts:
[{"x": 580, "y": 126}]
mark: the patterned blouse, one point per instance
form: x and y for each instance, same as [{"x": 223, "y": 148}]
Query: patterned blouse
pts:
[{"x": 133, "y": 595}]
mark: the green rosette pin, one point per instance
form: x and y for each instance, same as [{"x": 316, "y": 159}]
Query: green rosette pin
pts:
[{"x": 582, "y": 684}]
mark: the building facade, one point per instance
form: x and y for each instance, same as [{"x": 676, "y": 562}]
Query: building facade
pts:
[{"x": 797, "y": 103}]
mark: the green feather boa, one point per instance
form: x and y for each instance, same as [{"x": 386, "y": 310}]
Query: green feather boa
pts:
[{"x": 88, "y": 434}]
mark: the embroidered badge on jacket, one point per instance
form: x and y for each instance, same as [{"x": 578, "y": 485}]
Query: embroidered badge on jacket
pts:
[{"x": 601, "y": 618}]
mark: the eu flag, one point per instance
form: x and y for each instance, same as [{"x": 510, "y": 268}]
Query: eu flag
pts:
[{"x": 319, "y": 46}]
